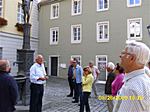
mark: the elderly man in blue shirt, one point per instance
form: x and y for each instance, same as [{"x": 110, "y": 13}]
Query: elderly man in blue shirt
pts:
[{"x": 78, "y": 73}]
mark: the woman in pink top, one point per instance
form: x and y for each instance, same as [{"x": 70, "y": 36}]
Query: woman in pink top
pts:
[{"x": 118, "y": 82}]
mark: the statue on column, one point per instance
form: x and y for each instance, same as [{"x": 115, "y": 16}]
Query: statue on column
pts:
[{"x": 26, "y": 10}]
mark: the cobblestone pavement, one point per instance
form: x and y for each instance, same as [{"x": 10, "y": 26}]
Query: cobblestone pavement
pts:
[{"x": 56, "y": 91}]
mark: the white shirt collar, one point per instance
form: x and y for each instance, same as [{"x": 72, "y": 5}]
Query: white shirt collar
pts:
[{"x": 38, "y": 65}]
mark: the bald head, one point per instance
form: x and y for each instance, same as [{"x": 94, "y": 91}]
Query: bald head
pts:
[
  {"x": 4, "y": 65},
  {"x": 39, "y": 59}
]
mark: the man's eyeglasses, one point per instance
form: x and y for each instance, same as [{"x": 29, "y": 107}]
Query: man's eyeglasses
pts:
[{"x": 124, "y": 53}]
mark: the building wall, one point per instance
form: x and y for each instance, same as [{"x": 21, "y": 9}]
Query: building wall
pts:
[
  {"x": 10, "y": 38},
  {"x": 10, "y": 14},
  {"x": 117, "y": 16},
  {"x": 34, "y": 19},
  {"x": 9, "y": 44}
]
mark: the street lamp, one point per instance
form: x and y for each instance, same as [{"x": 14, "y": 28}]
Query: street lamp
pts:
[{"x": 148, "y": 28}]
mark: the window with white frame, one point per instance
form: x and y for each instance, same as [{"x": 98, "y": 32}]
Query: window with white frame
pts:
[
  {"x": 78, "y": 57},
  {"x": 54, "y": 11},
  {"x": 103, "y": 31},
  {"x": 135, "y": 28},
  {"x": 102, "y": 5},
  {"x": 54, "y": 35},
  {"x": 76, "y": 7},
  {"x": 101, "y": 62},
  {"x": 1, "y": 8},
  {"x": 20, "y": 14},
  {"x": 133, "y": 3},
  {"x": 0, "y": 52},
  {"x": 76, "y": 33}
]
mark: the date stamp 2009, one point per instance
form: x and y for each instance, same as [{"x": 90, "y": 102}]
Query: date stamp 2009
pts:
[{"x": 120, "y": 97}]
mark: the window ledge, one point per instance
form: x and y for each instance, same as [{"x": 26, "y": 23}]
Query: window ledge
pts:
[{"x": 103, "y": 40}]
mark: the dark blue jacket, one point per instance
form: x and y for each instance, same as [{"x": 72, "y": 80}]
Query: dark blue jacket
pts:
[
  {"x": 70, "y": 71},
  {"x": 110, "y": 79},
  {"x": 8, "y": 92}
]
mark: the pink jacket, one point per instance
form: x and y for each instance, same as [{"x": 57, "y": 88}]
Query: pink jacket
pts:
[{"x": 117, "y": 84}]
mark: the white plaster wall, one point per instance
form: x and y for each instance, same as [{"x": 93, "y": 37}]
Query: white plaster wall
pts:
[
  {"x": 10, "y": 43},
  {"x": 34, "y": 19}
]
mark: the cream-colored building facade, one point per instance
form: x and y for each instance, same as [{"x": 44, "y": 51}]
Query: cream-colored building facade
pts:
[{"x": 10, "y": 38}]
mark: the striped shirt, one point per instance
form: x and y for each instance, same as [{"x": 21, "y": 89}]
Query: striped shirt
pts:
[
  {"x": 147, "y": 70},
  {"x": 137, "y": 90},
  {"x": 95, "y": 72}
]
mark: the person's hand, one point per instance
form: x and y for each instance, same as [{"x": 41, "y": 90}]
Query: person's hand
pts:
[
  {"x": 42, "y": 78},
  {"x": 46, "y": 77},
  {"x": 84, "y": 74}
]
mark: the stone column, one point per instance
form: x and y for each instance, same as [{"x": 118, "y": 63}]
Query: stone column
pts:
[
  {"x": 26, "y": 57},
  {"x": 26, "y": 36}
]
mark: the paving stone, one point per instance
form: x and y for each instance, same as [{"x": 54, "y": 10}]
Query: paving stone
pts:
[
  {"x": 56, "y": 91},
  {"x": 55, "y": 99}
]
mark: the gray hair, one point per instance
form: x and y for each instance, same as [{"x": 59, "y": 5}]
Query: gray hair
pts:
[
  {"x": 141, "y": 51},
  {"x": 91, "y": 62},
  {"x": 39, "y": 56},
  {"x": 111, "y": 65}
]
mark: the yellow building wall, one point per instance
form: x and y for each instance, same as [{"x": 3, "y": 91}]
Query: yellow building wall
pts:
[{"x": 10, "y": 8}]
